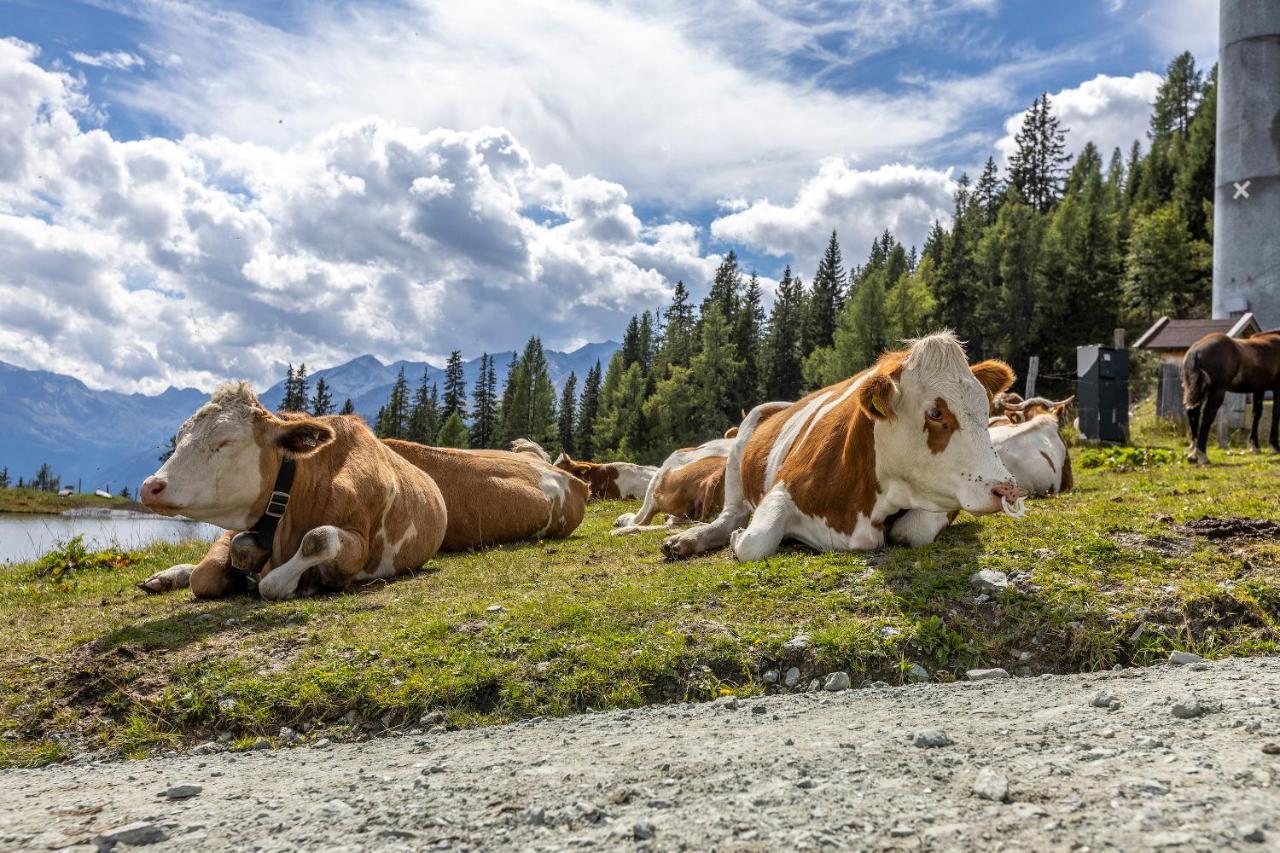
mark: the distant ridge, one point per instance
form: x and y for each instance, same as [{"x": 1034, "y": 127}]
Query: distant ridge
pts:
[{"x": 100, "y": 437}]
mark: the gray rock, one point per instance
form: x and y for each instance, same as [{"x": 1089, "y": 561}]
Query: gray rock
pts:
[
  {"x": 181, "y": 792},
  {"x": 798, "y": 643},
  {"x": 1145, "y": 788},
  {"x": 131, "y": 834},
  {"x": 431, "y": 718},
  {"x": 288, "y": 735},
  {"x": 792, "y": 678},
  {"x": 535, "y": 816},
  {"x": 901, "y": 831},
  {"x": 1147, "y": 742},
  {"x": 991, "y": 785},
  {"x": 323, "y": 743},
  {"x": 495, "y": 608},
  {"x": 931, "y": 738},
  {"x": 260, "y": 744},
  {"x": 917, "y": 674},
  {"x": 1105, "y": 700},
  {"x": 986, "y": 674},
  {"x": 642, "y": 831},
  {"x": 206, "y": 748},
  {"x": 836, "y": 682},
  {"x": 1187, "y": 708},
  {"x": 770, "y": 676},
  {"x": 989, "y": 581},
  {"x": 1179, "y": 658},
  {"x": 1251, "y": 833}
]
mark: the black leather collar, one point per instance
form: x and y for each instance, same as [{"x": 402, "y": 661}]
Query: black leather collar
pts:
[{"x": 264, "y": 530}]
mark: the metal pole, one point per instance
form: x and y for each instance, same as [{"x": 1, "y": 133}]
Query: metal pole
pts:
[{"x": 1246, "y": 222}]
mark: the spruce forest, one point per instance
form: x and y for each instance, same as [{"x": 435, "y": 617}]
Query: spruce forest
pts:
[{"x": 1049, "y": 253}]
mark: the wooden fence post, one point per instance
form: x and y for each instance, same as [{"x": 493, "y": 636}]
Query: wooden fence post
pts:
[{"x": 1033, "y": 370}]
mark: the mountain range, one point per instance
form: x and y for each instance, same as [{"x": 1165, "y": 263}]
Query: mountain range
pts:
[{"x": 106, "y": 439}]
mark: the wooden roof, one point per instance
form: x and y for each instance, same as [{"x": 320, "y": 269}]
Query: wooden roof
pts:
[{"x": 1168, "y": 334}]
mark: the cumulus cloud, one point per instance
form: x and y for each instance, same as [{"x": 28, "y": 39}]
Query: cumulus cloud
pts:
[
  {"x": 1110, "y": 112},
  {"x": 121, "y": 60},
  {"x": 678, "y": 106},
  {"x": 858, "y": 203},
  {"x": 136, "y": 264}
]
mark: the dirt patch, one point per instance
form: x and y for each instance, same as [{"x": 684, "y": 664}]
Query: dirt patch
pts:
[
  {"x": 1165, "y": 546},
  {"x": 1223, "y": 529}
]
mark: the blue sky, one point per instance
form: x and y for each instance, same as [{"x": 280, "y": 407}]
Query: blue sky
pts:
[{"x": 409, "y": 177}]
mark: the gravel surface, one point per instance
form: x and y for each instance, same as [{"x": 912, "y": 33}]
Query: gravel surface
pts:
[{"x": 1031, "y": 764}]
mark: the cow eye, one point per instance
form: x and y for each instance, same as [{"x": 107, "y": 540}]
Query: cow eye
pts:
[
  {"x": 935, "y": 414},
  {"x": 220, "y": 445}
]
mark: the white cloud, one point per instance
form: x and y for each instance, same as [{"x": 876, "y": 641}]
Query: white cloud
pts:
[
  {"x": 139, "y": 264},
  {"x": 858, "y": 203},
  {"x": 1110, "y": 112},
  {"x": 121, "y": 60},
  {"x": 1178, "y": 25},
  {"x": 679, "y": 106}
]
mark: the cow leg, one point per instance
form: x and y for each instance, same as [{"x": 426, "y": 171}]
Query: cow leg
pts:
[
  {"x": 702, "y": 538},
  {"x": 1258, "y": 397},
  {"x": 918, "y": 527},
  {"x": 1212, "y": 403},
  {"x": 769, "y": 523},
  {"x": 327, "y": 546},
  {"x": 206, "y": 578},
  {"x": 1193, "y": 422}
]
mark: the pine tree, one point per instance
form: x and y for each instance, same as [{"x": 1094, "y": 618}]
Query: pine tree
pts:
[
  {"x": 530, "y": 399},
  {"x": 747, "y": 329},
  {"x": 568, "y": 413},
  {"x": 290, "y": 386},
  {"x": 712, "y": 376},
  {"x": 455, "y": 386},
  {"x": 679, "y": 323},
  {"x": 168, "y": 450},
  {"x": 348, "y": 408},
  {"x": 647, "y": 342},
  {"x": 1037, "y": 168},
  {"x": 1176, "y": 100},
  {"x": 632, "y": 352},
  {"x": 783, "y": 379},
  {"x": 424, "y": 412},
  {"x": 393, "y": 419},
  {"x": 1193, "y": 181},
  {"x": 322, "y": 400},
  {"x": 725, "y": 287},
  {"x": 588, "y": 408},
  {"x": 125, "y": 493},
  {"x": 988, "y": 192},
  {"x": 484, "y": 400},
  {"x": 453, "y": 433},
  {"x": 45, "y": 480},
  {"x": 4, "y": 477},
  {"x": 826, "y": 298}
]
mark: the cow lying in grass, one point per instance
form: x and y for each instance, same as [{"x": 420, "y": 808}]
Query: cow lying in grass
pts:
[
  {"x": 609, "y": 480},
  {"x": 1027, "y": 438},
  {"x": 482, "y": 497},
  {"x": 688, "y": 487},
  {"x": 889, "y": 454},
  {"x": 355, "y": 511}
]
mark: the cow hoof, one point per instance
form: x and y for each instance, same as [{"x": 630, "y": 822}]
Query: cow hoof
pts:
[
  {"x": 678, "y": 547},
  {"x": 1197, "y": 458},
  {"x": 174, "y": 577}
]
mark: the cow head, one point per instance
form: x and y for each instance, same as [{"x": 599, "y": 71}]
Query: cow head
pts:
[
  {"x": 930, "y": 410},
  {"x": 226, "y": 459},
  {"x": 1018, "y": 410},
  {"x": 581, "y": 470}
]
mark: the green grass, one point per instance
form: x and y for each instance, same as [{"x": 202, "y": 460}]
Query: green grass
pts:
[
  {"x": 1100, "y": 576},
  {"x": 31, "y": 500}
]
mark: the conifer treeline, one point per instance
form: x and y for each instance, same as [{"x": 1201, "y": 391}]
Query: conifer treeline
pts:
[{"x": 1055, "y": 253}]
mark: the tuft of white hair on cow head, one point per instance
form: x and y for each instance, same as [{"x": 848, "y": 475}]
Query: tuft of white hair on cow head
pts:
[
  {"x": 226, "y": 457},
  {"x": 930, "y": 410}
]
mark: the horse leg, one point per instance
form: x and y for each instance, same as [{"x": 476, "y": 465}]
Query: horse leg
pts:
[
  {"x": 1275, "y": 419},
  {"x": 1212, "y": 402},
  {"x": 1193, "y": 421},
  {"x": 1258, "y": 397}
]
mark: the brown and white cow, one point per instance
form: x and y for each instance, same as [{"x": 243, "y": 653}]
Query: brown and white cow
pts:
[
  {"x": 496, "y": 496},
  {"x": 609, "y": 480},
  {"x": 897, "y": 449},
  {"x": 357, "y": 510},
  {"x": 1027, "y": 438}
]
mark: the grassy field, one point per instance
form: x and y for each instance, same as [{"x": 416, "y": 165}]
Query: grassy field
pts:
[
  {"x": 1102, "y": 576},
  {"x": 30, "y": 500}
]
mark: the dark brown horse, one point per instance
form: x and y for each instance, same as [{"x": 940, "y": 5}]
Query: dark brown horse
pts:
[{"x": 1216, "y": 364}]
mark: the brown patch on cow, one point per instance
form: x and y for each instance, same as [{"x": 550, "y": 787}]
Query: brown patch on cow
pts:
[
  {"x": 694, "y": 492},
  {"x": 1049, "y": 459},
  {"x": 940, "y": 429},
  {"x": 755, "y": 456},
  {"x": 1068, "y": 481}
]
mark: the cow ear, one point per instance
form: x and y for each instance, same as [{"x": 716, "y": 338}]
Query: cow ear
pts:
[
  {"x": 994, "y": 375},
  {"x": 302, "y": 438},
  {"x": 877, "y": 394}
]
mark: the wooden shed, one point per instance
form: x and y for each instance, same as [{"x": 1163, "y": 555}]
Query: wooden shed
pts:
[{"x": 1171, "y": 339}]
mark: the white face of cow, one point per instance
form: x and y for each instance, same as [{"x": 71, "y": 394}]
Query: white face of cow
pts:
[
  {"x": 931, "y": 429},
  {"x": 226, "y": 459}
]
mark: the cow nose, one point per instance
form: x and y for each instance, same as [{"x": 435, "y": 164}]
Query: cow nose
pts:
[
  {"x": 1008, "y": 489},
  {"x": 152, "y": 489}
]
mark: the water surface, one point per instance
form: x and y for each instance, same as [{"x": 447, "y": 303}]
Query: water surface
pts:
[{"x": 26, "y": 536}]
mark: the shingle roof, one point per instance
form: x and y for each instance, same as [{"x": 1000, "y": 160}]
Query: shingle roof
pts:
[{"x": 1169, "y": 334}]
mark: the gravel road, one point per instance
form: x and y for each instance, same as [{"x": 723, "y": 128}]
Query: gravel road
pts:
[{"x": 1172, "y": 757}]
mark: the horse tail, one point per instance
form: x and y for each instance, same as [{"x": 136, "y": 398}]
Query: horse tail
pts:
[{"x": 1195, "y": 382}]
